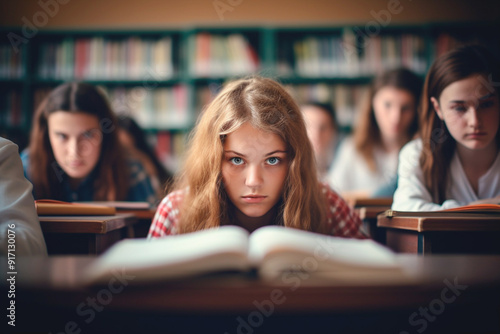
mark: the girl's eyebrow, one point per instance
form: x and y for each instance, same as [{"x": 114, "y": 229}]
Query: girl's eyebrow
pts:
[
  {"x": 485, "y": 97},
  {"x": 81, "y": 133},
  {"x": 268, "y": 154},
  {"x": 274, "y": 152},
  {"x": 234, "y": 152}
]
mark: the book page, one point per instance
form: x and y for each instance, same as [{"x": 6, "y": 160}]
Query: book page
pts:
[
  {"x": 223, "y": 248},
  {"x": 278, "y": 248}
]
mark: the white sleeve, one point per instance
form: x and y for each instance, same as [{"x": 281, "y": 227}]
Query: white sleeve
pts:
[
  {"x": 342, "y": 168},
  {"x": 411, "y": 193},
  {"x": 19, "y": 224}
]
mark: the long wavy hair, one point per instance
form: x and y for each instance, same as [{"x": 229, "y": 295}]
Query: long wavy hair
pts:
[
  {"x": 111, "y": 181},
  {"x": 367, "y": 134},
  {"x": 438, "y": 144},
  {"x": 266, "y": 105}
]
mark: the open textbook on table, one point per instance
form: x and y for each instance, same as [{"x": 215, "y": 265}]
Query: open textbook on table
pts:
[{"x": 271, "y": 250}]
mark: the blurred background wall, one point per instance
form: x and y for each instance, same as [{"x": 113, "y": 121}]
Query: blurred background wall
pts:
[{"x": 161, "y": 13}]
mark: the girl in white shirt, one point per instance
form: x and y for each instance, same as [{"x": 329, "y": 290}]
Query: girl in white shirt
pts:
[
  {"x": 457, "y": 160},
  {"x": 368, "y": 160}
]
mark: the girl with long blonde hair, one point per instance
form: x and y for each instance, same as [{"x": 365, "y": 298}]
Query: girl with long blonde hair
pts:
[{"x": 250, "y": 163}]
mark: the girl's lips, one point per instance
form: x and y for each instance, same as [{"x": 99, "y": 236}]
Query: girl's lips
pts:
[
  {"x": 75, "y": 164},
  {"x": 253, "y": 198},
  {"x": 475, "y": 135}
]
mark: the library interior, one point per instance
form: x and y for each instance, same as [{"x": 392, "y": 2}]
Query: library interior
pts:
[{"x": 160, "y": 67}]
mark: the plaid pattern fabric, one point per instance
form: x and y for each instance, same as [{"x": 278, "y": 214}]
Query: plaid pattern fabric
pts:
[{"x": 342, "y": 220}]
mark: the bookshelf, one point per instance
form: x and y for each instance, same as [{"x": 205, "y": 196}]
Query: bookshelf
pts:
[{"x": 164, "y": 78}]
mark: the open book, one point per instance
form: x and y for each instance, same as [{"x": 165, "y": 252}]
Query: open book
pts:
[
  {"x": 61, "y": 208},
  {"x": 474, "y": 209},
  {"x": 271, "y": 250}
]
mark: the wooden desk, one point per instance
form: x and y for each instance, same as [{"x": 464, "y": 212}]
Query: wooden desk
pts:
[
  {"x": 448, "y": 233},
  {"x": 144, "y": 219},
  {"x": 462, "y": 292},
  {"x": 368, "y": 215},
  {"x": 356, "y": 201},
  {"x": 84, "y": 234}
]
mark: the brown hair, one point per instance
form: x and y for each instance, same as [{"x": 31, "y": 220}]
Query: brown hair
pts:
[
  {"x": 111, "y": 182},
  {"x": 367, "y": 132},
  {"x": 438, "y": 150},
  {"x": 266, "y": 105}
]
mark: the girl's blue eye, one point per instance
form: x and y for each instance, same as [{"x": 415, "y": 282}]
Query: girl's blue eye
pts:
[
  {"x": 273, "y": 161},
  {"x": 236, "y": 161}
]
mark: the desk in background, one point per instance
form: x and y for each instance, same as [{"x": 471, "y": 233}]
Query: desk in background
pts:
[
  {"x": 460, "y": 294},
  {"x": 144, "y": 219},
  {"x": 85, "y": 234},
  {"x": 446, "y": 233},
  {"x": 368, "y": 210},
  {"x": 368, "y": 215}
]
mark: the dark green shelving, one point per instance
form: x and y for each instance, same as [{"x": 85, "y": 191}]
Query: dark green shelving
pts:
[{"x": 277, "y": 50}]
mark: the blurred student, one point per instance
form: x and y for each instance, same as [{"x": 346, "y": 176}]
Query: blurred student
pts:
[
  {"x": 457, "y": 159},
  {"x": 74, "y": 153},
  {"x": 323, "y": 132},
  {"x": 133, "y": 139},
  {"x": 20, "y": 232},
  {"x": 251, "y": 164},
  {"x": 367, "y": 161}
]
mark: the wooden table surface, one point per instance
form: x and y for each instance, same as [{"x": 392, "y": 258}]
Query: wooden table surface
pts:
[
  {"x": 85, "y": 224},
  {"x": 445, "y": 222},
  {"x": 51, "y": 296},
  {"x": 447, "y": 233},
  {"x": 85, "y": 234}
]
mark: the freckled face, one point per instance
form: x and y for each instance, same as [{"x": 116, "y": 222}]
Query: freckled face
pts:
[
  {"x": 76, "y": 141},
  {"x": 254, "y": 169}
]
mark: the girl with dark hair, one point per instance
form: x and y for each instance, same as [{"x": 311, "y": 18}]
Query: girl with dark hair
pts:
[
  {"x": 457, "y": 159},
  {"x": 368, "y": 160},
  {"x": 250, "y": 163},
  {"x": 74, "y": 153}
]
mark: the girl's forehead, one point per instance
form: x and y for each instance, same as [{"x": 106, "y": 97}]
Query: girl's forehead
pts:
[
  {"x": 248, "y": 137},
  {"x": 473, "y": 87},
  {"x": 72, "y": 120}
]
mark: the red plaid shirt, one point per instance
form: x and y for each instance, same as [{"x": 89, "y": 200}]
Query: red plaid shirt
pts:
[{"x": 342, "y": 220}]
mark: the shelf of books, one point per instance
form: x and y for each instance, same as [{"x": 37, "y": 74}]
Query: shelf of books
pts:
[
  {"x": 164, "y": 78},
  {"x": 223, "y": 53}
]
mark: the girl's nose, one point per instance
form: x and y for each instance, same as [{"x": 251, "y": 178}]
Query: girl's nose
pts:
[{"x": 254, "y": 176}]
